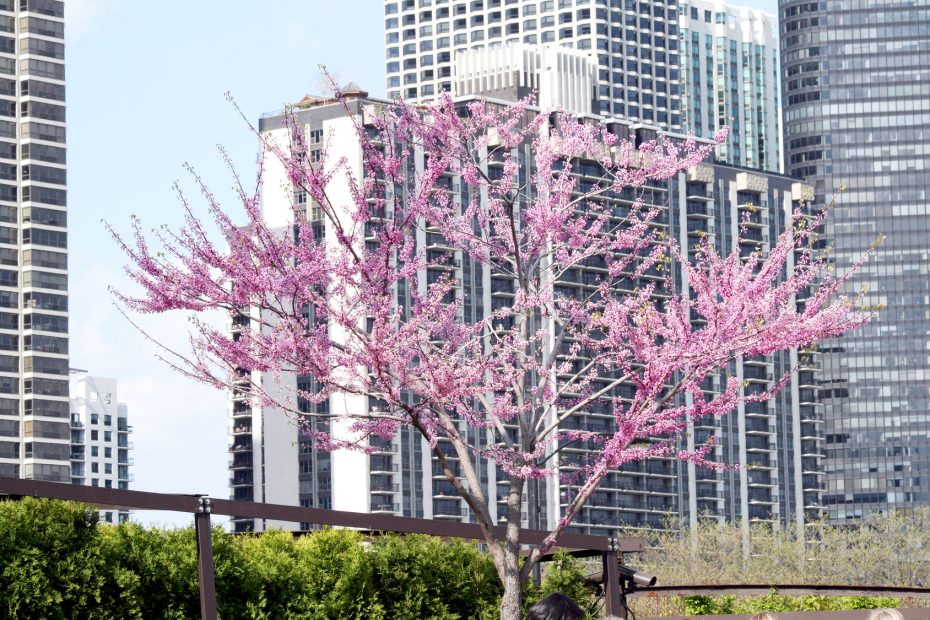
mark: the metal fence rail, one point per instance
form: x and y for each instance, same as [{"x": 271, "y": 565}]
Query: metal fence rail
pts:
[
  {"x": 756, "y": 589},
  {"x": 202, "y": 507},
  {"x": 909, "y": 613}
]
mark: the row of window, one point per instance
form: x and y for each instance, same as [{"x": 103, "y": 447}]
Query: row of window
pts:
[
  {"x": 35, "y": 236},
  {"x": 630, "y": 19},
  {"x": 34, "y": 300},
  {"x": 647, "y": 8},
  {"x": 34, "y": 109},
  {"x": 32, "y": 88},
  {"x": 43, "y": 387},
  {"x": 107, "y": 437},
  {"x": 37, "y": 321},
  {"x": 38, "y": 343}
]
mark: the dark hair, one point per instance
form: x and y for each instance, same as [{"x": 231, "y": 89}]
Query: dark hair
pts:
[{"x": 555, "y": 607}]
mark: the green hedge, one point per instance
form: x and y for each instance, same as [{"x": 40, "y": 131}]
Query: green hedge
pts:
[
  {"x": 712, "y": 605},
  {"x": 56, "y": 562}
]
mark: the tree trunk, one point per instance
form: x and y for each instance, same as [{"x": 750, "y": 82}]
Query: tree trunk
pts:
[{"x": 512, "y": 602}]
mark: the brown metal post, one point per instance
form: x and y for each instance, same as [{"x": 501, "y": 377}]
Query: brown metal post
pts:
[
  {"x": 205, "y": 567},
  {"x": 613, "y": 605}
]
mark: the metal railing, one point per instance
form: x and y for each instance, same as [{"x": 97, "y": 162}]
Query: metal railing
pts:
[{"x": 201, "y": 506}]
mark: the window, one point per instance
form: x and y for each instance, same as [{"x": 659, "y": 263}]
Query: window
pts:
[
  {"x": 94, "y": 435},
  {"x": 108, "y": 435},
  {"x": 95, "y": 468},
  {"x": 94, "y": 450},
  {"x": 94, "y": 418}
]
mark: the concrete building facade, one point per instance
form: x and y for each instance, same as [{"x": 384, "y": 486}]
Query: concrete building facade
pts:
[
  {"x": 34, "y": 407},
  {"x": 856, "y": 86}
]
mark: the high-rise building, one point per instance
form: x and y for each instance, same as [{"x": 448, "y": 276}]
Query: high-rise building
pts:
[
  {"x": 856, "y": 85},
  {"x": 34, "y": 410},
  {"x": 729, "y": 69},
  {"x": 633, "y": 44},
  {"x": 775, "y": 442},
  {"x": 560, "y": 78},
  {"x": 100, "y": 439}
]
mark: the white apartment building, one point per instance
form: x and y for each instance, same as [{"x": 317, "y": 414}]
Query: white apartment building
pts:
[
  {"x": 633, "y": 44},
  {"x": 730, "y": 76},
  {"x": 34, "y": 407},
  {"x": 100, "y": 443}
]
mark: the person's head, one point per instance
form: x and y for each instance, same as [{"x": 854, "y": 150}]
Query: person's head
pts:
[
  {"x": 764, "y": 615},
  {"x": 555, "y": 607},
  {"x": 886, "y": 614}
]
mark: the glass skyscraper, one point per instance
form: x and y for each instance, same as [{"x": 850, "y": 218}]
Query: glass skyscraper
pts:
[{"x": 856, "y": 85}]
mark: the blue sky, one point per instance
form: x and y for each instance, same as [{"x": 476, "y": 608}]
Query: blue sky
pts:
[{"x": 146, "y": 84}]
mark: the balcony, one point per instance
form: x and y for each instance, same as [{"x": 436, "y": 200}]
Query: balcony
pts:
[
  {"x": 241, "y": 444},
  {"x": 241, "y": 478},
  {"x": 381, "y": 446},
  {"x": 448, "y": 513},
  {"x": 453, "y": 467},
  {"x": 382, "y": 465},
  {"x": 696, "y": 192},
  {"x": 381, "y": 487}
]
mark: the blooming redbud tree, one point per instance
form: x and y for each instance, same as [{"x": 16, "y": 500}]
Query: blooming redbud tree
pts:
[{"x": 327, "y": 306}]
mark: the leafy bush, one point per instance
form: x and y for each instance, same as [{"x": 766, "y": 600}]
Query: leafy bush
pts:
[
  {"x": 711, "y": 605},
  {"x": 57, "y": 562},
  {"x": 49, "y": 564}
]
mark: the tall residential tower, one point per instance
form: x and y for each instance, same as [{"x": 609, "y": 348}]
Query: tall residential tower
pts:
[
  {"x": 633, "y": 44},
  {"x": 856, "y": 84},
  {"x": 34, "y": 410},
  {"x": 729, "y": 71}
]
